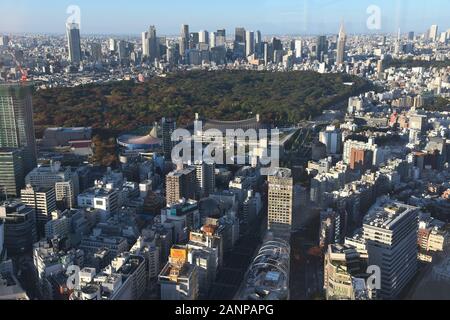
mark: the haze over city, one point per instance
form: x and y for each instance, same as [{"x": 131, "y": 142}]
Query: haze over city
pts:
[{"x": 270, "y": 16}]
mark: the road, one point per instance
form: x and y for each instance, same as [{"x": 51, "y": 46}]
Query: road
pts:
[{"x": 306, "y": 279}]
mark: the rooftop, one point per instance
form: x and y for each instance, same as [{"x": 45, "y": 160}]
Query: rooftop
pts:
[{"x": 386, "y": 215}]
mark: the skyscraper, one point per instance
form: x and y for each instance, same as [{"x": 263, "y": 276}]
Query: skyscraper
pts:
[
  {"x": 194, "y": 40},
  {"x": 280, "y": 202},
  {"x": 221, "y": 38},
  {"x": 16, "y": 122},
  {"x": 203, "y": 36},
  {"x": 11, "y": 171},
  {"x": 249, "y": 43},
  {"x": 390, "y": 230},
  {"x": 184, "y": 39},
  {"x": 4, "y": 41},
  {"x": 20, "y": 227},
  {"x": 168, "y": 127},
  {"x": 239, "y": 35},
  {"x": 96, "y": 51},
  {"x": 112, "y": 45},
  {"x": 205, "y": 177},
  {"x": 258, "y": 37},
  {"x": 341, "y": 46},
  {"x": 434, "y": 33},
  {"x": 298, "y": 48},
  {"x": 321, "y": 48},
  {"x": 150, "y": 46},
  {"x": 331, "y": 137},
  {"x": 73, "y": 41}
]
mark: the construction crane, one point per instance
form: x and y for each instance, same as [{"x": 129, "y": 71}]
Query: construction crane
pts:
[{"x": 23, "y": 72}]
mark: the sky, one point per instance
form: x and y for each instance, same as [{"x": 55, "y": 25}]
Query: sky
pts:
[{"x": 280, "y": 17}]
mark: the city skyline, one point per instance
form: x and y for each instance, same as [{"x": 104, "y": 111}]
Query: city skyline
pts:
[{"x": 271, "y": 17}]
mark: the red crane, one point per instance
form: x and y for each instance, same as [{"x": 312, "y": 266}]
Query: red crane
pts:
[{"x": 24, "y": 72}]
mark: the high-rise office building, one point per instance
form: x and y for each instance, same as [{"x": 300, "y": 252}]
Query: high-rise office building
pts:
[
  {"x": 249, "y": 43},
  {"x": 411, "y": 35},
  {"x": 205, "y": 178},
  {"x": 150, "y": 45},
  {"x": 221, "y": 38},
  {"x": 168, "y": 127},
  {"x": 331, "y": 137},
  {"x": 43, "y": 201},
  {"x": 276, "y": 44},
  {"x": 298, "y": 48},
  {"x": 19, "y": 225},
  {"x": 184, "y": 39},
  {"x": 11, "y": 172},
  {"x": 267, "y": 54},
  {"x": 194, "y": 40},
  {"x": 203, "y": 37},
  {"x": 112, "y": 45},
  {"x": 180, "y": 184},
  {"x": 258, "y": 37},
  {"x": 321, "y": 48},
  {"x": 74, "y": 42},
  {"x": 122, "y": 50},
  {"x": 433, "y": 35},
  {"x": 280, "y": 202},
  {"x": 4, "y": 41},
  {"x": 390, "y": 230},
  {"x": 239, "y": 35},
  {"x": 340, "y": 57},
  {"x": 16, "y": 122},
  {"x": 96, "y": 51},
  {"x": 221, "y": 33}
]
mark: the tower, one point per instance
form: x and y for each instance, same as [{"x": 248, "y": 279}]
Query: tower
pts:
[
  {"x": 16, "y": 122},
  {"x": 184, "y": 39},
  {"x": 280, "y": 202},
  {"x": 249, "y": 43},
  {"x": 341, "y": 46},
  {"x": 73, "y": 41}
]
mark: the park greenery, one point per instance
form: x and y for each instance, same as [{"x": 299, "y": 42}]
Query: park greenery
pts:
[
  {"x": 279, "y": 97},
  {"x": 113, "y": 108}
]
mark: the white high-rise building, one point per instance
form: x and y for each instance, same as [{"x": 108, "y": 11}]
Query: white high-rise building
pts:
[
  {"x": 434, "y": 32},
  {"x": 249, "y": 43},
  {"x": 112, "y": 45},
  {"x": 332, "y": 138},
  {"x": 203, "y": 36},
  {"x": 390, "y": 230},
  {"x": 298, "y": 48}
]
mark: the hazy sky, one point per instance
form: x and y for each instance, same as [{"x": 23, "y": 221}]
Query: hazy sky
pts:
[{"x": 269, "y": 16}]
